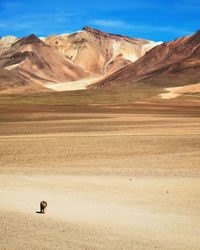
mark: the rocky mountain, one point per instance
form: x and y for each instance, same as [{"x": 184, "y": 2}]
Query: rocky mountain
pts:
[
  {"x": 29, "y": 60},
  {"x": 35, "y": 62},
  {"x": 6, "y": 42},
  {"x": 170, "y": 64},
  {"x": 97, "y": 52}
]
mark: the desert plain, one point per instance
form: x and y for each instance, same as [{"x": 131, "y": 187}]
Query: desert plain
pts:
[{"x": 114, "y": 176}]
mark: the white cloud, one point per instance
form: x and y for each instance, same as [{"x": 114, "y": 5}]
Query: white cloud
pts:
[
  {"x": 38, "y": 23},
  {"x": 187, "y": 6},
  {"x": 3, "y": 25},
  {"x": 109, "y": 23},
  {"x": 138, "y": 27},
  {"x": 8, "y": 5}
]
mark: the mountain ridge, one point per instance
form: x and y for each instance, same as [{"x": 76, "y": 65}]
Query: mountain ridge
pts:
[
  {"x": 109, "y": 60},
  {"x": 93, "y": 50},
  {"x": 170, "y": 58},
  {"x": 36, "y": 63}
]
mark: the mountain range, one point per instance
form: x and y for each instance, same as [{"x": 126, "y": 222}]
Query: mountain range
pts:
[
  {"x": 167, "y": 64},
  {"x": 109, "y": 60}
]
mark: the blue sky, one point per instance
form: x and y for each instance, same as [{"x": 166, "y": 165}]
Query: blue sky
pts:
[{"x": 150, "y": 19}]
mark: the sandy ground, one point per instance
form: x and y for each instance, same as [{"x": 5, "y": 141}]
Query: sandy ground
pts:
[
  {"x": 142, "y": 213},
  {"x": 177, "y": 91},
  {"x": 112, "y": 180},
  {"x": 75, "y": 85}
]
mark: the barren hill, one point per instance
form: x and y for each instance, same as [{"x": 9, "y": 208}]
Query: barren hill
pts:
[
  {"x": 98, "y": 52},
  {"x": 33, "y": 61},
  {"x": 173, "y": 63}
]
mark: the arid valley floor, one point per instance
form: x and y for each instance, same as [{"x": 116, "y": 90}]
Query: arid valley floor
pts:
[{"x": 114, "y": 177}]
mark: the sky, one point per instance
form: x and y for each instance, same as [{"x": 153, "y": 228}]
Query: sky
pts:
[{"x": 158, "y": 20}]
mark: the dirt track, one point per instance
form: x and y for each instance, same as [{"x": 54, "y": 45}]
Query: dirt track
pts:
[{"x": 113, "y": 180}]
